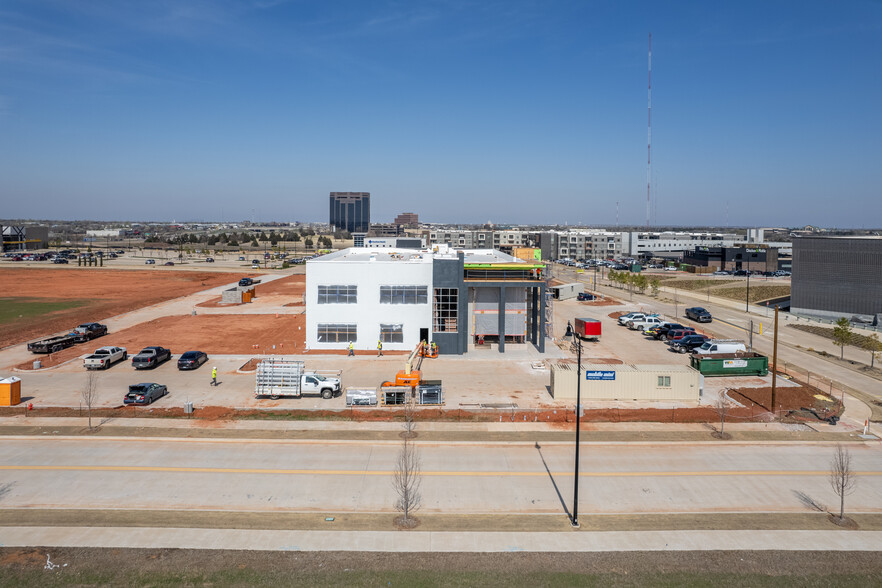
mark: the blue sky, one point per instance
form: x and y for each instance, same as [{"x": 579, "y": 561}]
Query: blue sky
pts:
[{"x": 764, "y": 113}]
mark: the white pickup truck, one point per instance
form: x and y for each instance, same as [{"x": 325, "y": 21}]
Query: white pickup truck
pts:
[
  {"x": 644, "y": 323},
  {"x": 105, "y": 357}
]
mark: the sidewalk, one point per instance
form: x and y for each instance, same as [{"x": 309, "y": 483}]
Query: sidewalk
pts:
[{"x": 434, "y": 542}]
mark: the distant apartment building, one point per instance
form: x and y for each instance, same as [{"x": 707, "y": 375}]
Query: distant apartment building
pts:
[
  {"x": 385, "y": 230},
  {"x": 407, "y": 219},
  {"x": 351, "y": 211},
  {"x": 837, "y": 277}
]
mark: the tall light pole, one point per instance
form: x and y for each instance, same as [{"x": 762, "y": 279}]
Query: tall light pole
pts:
[
  {"x": 747, "y": 297},
  {"x": 578, "y": 422}
]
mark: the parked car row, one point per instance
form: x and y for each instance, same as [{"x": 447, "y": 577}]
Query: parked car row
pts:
[{"x": 147, "y": 358}]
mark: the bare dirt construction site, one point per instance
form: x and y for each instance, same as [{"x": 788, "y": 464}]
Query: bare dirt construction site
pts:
[
  {"x": 215, "y": 334},
  {"x": 39, "y": 302}
]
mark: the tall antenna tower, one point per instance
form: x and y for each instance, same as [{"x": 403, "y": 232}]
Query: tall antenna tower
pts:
[{"x": 649, "y": 136}]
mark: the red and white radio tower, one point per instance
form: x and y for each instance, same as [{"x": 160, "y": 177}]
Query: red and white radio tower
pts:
[{"x": 649, "y": 136}]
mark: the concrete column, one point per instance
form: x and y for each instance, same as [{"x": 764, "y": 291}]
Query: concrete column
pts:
[
  {"x": 534, "y": 304},
  {"x": 501, "y": 327},
  {"x": 541, "y": 334}
]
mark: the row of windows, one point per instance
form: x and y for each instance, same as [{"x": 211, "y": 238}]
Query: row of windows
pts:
[
  {"x": 388, "y": 294},
  {"x": 337, "y": 294},
  {"x": 346, "y": 333}
]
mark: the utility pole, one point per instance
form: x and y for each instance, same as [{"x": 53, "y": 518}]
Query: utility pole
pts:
[
  {"x": 578, "y": 422},
  {"x": 774, "y": 360},
  {"x": 649, "y": 134},
  {"x": 747, "y": 298}
]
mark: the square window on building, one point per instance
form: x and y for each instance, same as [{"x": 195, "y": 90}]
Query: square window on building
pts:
[
  {"x": 664, "y": 381},
  {"x": 392, "y": 333},
  {"x": 336, "y": 333},
  {"x": 338, "y": 294},
  {"x": 404, "y": 294}
]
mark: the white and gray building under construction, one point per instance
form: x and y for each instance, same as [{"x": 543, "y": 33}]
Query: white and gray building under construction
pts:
[{"x": 456, "y": 298}]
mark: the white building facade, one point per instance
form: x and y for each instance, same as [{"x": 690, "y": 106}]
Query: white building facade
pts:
[{"x": 365, "y": 296}]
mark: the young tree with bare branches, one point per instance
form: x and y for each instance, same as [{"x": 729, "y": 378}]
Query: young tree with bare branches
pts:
[
  {"x": 721, "y": 407},
  {"x": 407, "y": 478},
  {"x": 842, "y": 478},
  {"x": 89, "y": 394}
]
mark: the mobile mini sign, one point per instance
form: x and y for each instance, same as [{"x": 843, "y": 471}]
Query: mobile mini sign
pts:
[{"x": 600, "y": 375}]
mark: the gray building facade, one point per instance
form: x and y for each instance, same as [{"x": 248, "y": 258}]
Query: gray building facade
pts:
[
  {"x": 837, "y": 277},
  {"x": 351, "y": 211}
]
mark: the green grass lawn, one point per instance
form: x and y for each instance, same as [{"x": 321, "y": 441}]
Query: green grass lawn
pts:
[{"x": 13, "y": 309}]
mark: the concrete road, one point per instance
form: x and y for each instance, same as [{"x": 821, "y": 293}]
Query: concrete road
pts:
[{"x": 306, "y": 476}]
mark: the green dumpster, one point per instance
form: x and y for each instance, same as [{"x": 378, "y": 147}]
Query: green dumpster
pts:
[{"x": 730, "y": 364}]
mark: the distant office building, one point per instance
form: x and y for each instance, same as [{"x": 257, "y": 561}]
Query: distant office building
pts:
[
  {"x": 385, "y": 230},
  {"x": 408, "y": 219},
  {"x": 21, "y": 238},
  {"x": 760, "y": 259},
  {"x": 351, "y": 211},
  {"x": 837, "y": 277}
]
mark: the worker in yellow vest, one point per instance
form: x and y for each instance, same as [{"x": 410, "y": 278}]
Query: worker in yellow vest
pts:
[
  {"x": 380, "y": 348},
  {"x": 214, "y": 376}
]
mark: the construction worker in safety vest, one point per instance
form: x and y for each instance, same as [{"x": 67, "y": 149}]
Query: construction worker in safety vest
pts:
[
  {"x": 434, "y": 349},
  {"x": 214, "y": 376},
  {"x": 351, "y": 349},
  {"x": 380, "y": 348}
]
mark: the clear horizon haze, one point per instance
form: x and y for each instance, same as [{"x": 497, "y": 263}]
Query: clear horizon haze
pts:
[{"x": 513, "y": 112}]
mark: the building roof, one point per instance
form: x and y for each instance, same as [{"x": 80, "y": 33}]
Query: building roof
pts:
[{"x": 484, "y": 257}]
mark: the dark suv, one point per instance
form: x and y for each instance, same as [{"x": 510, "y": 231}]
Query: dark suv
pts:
[
  {"x": 246, "y": 282},
  {"x": 688, "y": 343},
  {"x": 699, "y": 314},
  {"x": 661, "y": 332}
]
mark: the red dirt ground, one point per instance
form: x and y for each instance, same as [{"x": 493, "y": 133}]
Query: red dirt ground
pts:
[
  {"x": 221, "y": 334},
  {"x": 290, "y": 287},
  {"x": 109, "y": 291},
  {"x": 563, "y": 416},
  {"x": 786, "y": 398}
]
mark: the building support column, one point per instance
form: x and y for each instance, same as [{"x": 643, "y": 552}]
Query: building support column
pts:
[
  {"x": 534, "y": 314},
  {"x": 501, "y": 325},
  {"x": 541, "y": 335}
]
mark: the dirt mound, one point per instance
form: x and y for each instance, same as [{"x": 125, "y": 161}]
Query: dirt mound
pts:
[
  {"x": 293, "y": 285},
  {"x": 99, "y": 292},
  {"x": 602, "y": 302}
]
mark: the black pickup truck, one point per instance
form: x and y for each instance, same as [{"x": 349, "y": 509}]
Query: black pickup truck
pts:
[
  {"x": 89, "y": 331},
  {"x": 150, "y": 357}
]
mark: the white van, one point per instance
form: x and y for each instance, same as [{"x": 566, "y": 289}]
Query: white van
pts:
[{"x": 715, "y": 346}]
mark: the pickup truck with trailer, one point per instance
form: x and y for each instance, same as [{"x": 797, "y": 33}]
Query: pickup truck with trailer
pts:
[
  {"x": 150, "y": 357},
  {"x": 281, "y": 377},
  {"x": 105, "y": 357},
  {"x": 587, "y": 328},
  {"x": 81, "y": 334}
]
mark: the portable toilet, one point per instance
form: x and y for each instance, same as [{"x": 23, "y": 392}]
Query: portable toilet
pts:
[{"x": 10, "y": 391}]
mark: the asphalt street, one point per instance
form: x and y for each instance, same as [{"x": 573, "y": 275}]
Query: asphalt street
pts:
[{"x": 308, "y": 476}]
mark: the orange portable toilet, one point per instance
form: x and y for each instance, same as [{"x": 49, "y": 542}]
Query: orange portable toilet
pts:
[{"x": 10, "y": 391}]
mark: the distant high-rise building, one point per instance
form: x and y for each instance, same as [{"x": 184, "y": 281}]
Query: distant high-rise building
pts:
[
  {"x": 351, "y": 211},
  {"x": 408, "y": 219}
]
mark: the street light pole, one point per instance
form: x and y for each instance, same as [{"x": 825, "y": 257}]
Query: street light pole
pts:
[
  {"x": 578, "y": 411},
  {"x": 747, "y": 298}
]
